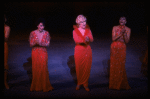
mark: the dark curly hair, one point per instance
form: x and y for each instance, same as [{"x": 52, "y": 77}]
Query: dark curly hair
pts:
[
  {"x": 5, "y": 17},
  {"x": 123, "y": 14},
  {"x": 40, "y": 20}
]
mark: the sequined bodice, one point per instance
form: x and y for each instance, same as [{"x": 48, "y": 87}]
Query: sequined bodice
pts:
[{"x": 43, "y": 41}]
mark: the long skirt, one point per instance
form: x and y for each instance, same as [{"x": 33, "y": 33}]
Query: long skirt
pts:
[
  {"x": 144, "y": 66},
  {"x": 118, "y": 78},
  {"x": 83, "y": 62},
  {"x": 40, "y": 74},
  {"x": 5, "y": 56}
]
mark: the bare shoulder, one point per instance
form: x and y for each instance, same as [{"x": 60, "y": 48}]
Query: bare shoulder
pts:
[
  {"x": 114, "y": 27},
  {"x": 34, "y": 31},
  {"x": 46, "y": 32},
  {"x": 7, "y": 27}
]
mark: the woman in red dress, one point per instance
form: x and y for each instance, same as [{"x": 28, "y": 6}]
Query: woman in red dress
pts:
[
  {"x": 120, "y": 36},
  {"x": 39, "y": 40},
  {"x": 6, "y": 35},
  {"x": 83, "y": 53}
]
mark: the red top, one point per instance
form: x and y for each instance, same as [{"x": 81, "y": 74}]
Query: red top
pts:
[{"x": 79, "y": 38}]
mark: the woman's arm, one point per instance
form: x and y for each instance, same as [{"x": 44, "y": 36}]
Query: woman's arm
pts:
[
  {"x": 126, "y": 35},
  {"x": 7, "y": 32},
  {"x": 89, "y": 37},
  {"x": 114, "y": 36}
]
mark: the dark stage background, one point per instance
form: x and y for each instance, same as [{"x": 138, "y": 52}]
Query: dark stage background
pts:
[{"x": 60, "y": 17}]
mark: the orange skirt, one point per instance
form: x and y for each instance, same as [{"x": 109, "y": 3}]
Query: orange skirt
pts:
[
  {"x": 5, "y": 56},
  {"x": 83, "y": 62},
  {"x": 118, "y": 78},
  {"x": 40, "y": 74}
]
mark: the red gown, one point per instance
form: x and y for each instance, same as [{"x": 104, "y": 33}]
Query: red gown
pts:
[
  {"x": 5, "y": 56},
  {"x": 40, "y": 74},
  {"x": 118, "y": 78},
  {"x": 6, "y": 30},
  {"x": 144, "y": 66},
  {"x": 83, "y": 56}
]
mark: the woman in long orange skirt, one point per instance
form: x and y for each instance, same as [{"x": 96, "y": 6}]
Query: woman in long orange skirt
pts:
[
  {"x": 6, "y": 35},
  {"x": 83, "y": 53},
  {"x": 39, "y": 40},
  {"x": 120, "y": 36}
]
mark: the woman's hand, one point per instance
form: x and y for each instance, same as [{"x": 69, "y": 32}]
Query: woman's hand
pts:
[
  {"x": 37, "y": 41},
  {"x": 123, "y": 30},
  {"x": 87, "y": 39},
  {"x": 125, "y": 34}
]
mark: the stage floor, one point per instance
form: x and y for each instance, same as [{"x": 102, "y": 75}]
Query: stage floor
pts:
[{"x": 62, "y": 70}]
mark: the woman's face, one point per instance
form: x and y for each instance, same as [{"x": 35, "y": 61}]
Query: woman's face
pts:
[
  {"x": 122, "y": 21},
  {"x": 40, "y": 27},
  {"x": 82, "y": 24}
]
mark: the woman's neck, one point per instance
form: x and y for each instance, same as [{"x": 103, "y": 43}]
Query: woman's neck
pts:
[
  {"x": 40, "y": 31},
  {"x": 81, "y": 28},
  {"x": 121, "y": 26}
]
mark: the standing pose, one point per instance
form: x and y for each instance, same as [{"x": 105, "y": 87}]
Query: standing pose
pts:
[
  {"x": 39, "y": 40},
  {"x": 6, "y": 35},
  {"x": 120, "y": 36},
  {"x": 83, "y": 53}
]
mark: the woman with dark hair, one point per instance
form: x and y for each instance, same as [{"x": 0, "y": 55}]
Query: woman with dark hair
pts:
[
  {"x": 39, "y": 40},
  {"x": 120, "y": 36},
  {"x": 82, "y": 36},
  {"x": 6, "y": 35}
]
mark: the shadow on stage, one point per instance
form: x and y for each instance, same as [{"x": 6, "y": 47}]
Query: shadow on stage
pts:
[
  {"x": 28, "y": 67},
  {"x": 106, "y": 67},
  {"x": 71, "y": 65}
]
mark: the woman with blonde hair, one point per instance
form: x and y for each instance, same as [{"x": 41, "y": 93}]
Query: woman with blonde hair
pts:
[{"x": 82, "y": 36}]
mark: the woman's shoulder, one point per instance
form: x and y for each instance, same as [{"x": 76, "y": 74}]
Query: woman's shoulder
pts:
[
  {"x": 116, "y": 26},
  {"x": 127, "y": 28},
  {"x": 33, "y": 32},
  {"x": 88, "y": 29},
  {"x": 74, "y": 31},
  {"x": 6, "y": 27},
  {"x": 46, "y": 32}
]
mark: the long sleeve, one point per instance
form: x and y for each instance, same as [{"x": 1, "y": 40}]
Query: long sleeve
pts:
[
  {"x": 90, "y": 36},
  {"x": 127, "y": 37},
  {"x": 46, "y": 39},
  {"x": 32, "y": 39},
  {"x": 113, "y": 33}
]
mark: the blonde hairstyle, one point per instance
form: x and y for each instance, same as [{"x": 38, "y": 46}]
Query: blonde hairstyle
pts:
[{"x": 80, "y": 18}]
